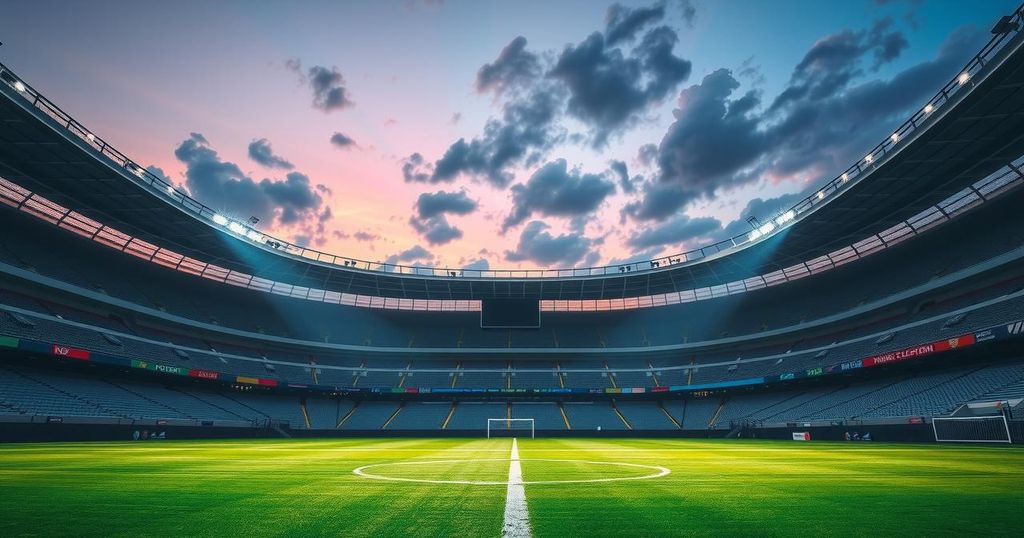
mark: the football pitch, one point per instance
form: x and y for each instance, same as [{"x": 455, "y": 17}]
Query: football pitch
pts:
[{"x": 461, "y": 487}]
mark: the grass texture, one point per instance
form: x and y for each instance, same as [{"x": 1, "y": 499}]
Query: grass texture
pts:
[{"x": 307, "y": 488}]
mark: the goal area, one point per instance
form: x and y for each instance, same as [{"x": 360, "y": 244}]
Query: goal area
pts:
[
  {"x": 510, "y": 426},
  {"x": 990, "y": 429}
]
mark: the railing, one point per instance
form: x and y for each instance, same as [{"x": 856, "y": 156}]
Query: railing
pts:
[
  {"x": 966, "y": 78},
  {"x": 987, "y": 188}
]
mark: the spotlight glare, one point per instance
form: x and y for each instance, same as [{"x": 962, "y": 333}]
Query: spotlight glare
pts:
[
  {"x": 928, "y": 108},
  {"x": 236, "y": 227},
  {"x": 821, "y": 195},
  {"x": 869, "y": 158},
  {"x": 18, "y": 85},
  {"x": 220, "y": 219},
  {"x": 846, "y": 177},
  {"x": 963, "y": 78},
  {"x": 895, "y": 138}
]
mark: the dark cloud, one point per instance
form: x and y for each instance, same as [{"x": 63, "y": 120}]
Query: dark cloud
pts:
[
  {"x": 261, "y": 152},
  {"x": 537, "y": 245},
  {"x": 621, "y": 173},
  {"x": 678, "y": 230},
  {"x": 430, "y": 220},
  {"x": 687, "y": 11},
  {"x": 414, "y": 254},
  {"x": 479, "y": 264},
  {"x": 328, "y": 85},
  {"x": 713, "y": 137},
  {"x": 606, "y": 86},
  {"x": 554, "y": 190},
  {"x": 822, "y": 121},
  {"x": 515, "y": 68},
  {"x": 159, "y": 172},
  {"x": 525, "y": 130},
  {"x": 365, "y": 236},
  {"x": 436, "y": 230},
  {"x": 622, "y": 23},
  {"x": 223, "y": 186},
  {"x": 432, "y": 204},
  {"x": 341, "y": 141},
  {"x": 609, "y": 88}
]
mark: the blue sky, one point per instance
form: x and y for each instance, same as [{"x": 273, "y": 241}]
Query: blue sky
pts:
[{"x": 723, "y": 113}]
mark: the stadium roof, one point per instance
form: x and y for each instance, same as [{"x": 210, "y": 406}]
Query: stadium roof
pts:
[{"x": 971, "y": 128}]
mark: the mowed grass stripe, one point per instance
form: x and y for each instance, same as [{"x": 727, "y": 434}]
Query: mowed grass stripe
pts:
[{"x": 306, "y": 487}]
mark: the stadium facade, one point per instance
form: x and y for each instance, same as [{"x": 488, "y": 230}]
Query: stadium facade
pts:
[{"x": 892, "y": 296}]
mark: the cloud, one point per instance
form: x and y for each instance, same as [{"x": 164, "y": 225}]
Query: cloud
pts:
[
  {"x": 514, "y": 68},
  {"x": 414, "y": 254},
  {"x": 479, "y": 264},
  {"x": 537, "y": 245},
  {"x": 623, "y": 23},
  {"x": 525, "y": 130},
  {"x": 430, "y": 220},
  {"x": 678, "y": 230},
  {"x": 621, "y": 173},
  {"x": 554, "y": 190},
  {"x": 432, "y": 204},
  {"x": 436, "y": 230},
  {"x": 821, "y": 121},
  {"x": 687, "y": 11},
  {"x": 605, "y": 86},
  {"x": 609, "y": 88},
  {"x": 341, "y": 141},
  {"x": 363, "y": 236},
  {"x": 223, "y": 186},
  {"x": 261, "y": 152},
  {"x": 328, "y": 85}
]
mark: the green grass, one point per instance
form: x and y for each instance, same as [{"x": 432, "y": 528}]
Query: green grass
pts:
[{"x": 306, "y": 487}]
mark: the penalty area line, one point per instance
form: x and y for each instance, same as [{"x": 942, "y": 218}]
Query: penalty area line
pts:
[{"x": 517, "y": 516}]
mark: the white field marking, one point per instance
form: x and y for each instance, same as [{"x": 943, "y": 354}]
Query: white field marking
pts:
[
  {"x": 517, "y": 516},
  {"x": 660, "y": 472}
]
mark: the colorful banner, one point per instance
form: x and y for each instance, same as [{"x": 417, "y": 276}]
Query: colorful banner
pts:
[
  {"x": 204, "y": 374},
  {"x": 156, "y": 367},
  {"x": 70, "y": 352},
  {"x": 919, "y": 351},
  {"x": 801, "y": 436}
]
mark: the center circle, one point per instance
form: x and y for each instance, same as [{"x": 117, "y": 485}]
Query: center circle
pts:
[{"x": 656, "y": 472}]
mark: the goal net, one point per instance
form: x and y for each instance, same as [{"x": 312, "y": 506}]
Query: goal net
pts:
[
  {"x": 510, "y": 427},
  {"x": 993, "y": 429}
]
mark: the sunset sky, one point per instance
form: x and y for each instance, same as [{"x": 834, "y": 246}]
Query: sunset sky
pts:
[{"x": 503, "y": 135}]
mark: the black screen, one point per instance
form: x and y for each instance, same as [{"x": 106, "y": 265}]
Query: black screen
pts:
[{"x": 510, "y": 313}]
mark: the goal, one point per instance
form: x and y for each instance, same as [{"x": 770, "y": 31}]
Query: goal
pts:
[
  {"x": 991, "y": 429},
  {"x": 513, "y": 426}
]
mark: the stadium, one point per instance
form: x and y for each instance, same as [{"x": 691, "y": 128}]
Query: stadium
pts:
[{"x": 851, "y": 363}]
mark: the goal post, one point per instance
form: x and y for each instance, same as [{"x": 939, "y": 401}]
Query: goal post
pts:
[
  {"x": 990, "y": 429},
  {"x": 510, "y": 425}
]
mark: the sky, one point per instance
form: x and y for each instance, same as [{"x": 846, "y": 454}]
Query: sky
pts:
[{"x": 480, "y": 135}]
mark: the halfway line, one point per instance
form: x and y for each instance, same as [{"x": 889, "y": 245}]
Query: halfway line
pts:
[{"x": 517, "y": 516}]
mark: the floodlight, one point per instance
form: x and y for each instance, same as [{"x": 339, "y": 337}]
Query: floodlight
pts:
[
  {"x": 253, "y": 235},
  {"x": 220, "y": 219},
  {"x": 928, "y": 108},
  {"x": 821, "y": 195},
  {"x": 170, "y": 189},
  {"x": 895, "y": 138},
  {"x": 846, "y": 176},
  {"x": 869, "y": 158},
  {"x": 18, "y": 85},
  {"x": 236, "y": 227},
  {"x": 963, "y": 78},
  {"x": 91, "y": 137}
]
